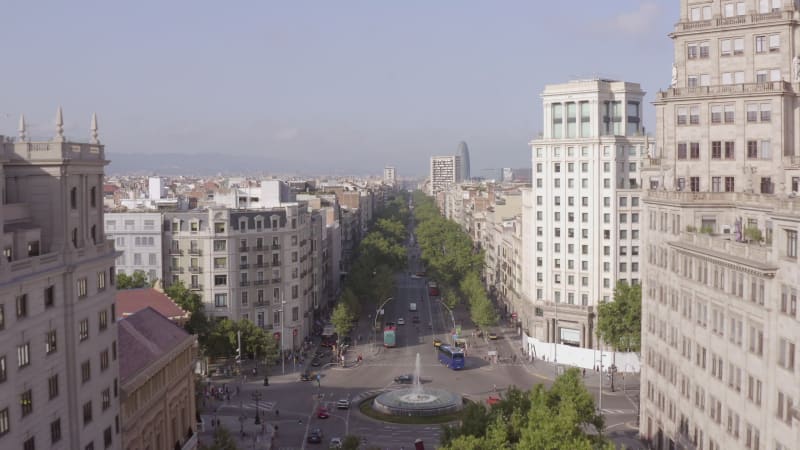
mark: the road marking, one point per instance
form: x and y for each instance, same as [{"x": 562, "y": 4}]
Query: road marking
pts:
[
  {"x": 264, "y": 406},
  {"x": 618, "y": 411}
]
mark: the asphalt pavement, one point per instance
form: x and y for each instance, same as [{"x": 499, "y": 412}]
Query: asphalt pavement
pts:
[{"x": 292, "y": 406}]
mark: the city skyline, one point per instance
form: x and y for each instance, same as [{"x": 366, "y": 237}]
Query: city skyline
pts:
[{"x": 320, "y": 93}]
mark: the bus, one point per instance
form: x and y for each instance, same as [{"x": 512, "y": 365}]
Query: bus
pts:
[
  {"x": 390, "y": 336},
  {"x": 452, "y": 357},
  {"x": 433, "y": 289}
]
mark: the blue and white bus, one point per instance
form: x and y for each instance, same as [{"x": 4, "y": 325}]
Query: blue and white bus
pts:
[{"x": 452, "y": 357}]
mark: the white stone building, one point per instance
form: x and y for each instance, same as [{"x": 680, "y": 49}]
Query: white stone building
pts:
[
  {"x": 138, "y": 237},
  {"x": 58, "y": 336},
  {"x": 721, "y": 275},
  {"x": 581, "y": 216},
  {"x": 444, "y": 171},
  {"x": 390, "y": 176}
]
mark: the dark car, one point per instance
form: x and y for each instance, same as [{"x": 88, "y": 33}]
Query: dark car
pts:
[
  {"x": 315, "y": 436},
  {"x": 316, "y": 362},
  {"x": 415, "y": 319},
  {"x": 322, "y": 412},
  {"x": 404, "y": 379},
  {"x": 305, "y": 376}
]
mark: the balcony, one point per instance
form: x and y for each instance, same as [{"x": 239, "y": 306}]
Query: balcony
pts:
[
  {"x": 717, "y": 90},
  {"x": 276, "y": 263},
  {"x": 243, "y": 248},
  {"x": 726, "y": 248},
  {"x": 260, "y": 282},
  {"x": 244, "y": 266},
  {"x": 195, "y": 252},
  {"x": 262, "y": 304},
  {"x": 244, "y": 283},
  {"x": 259, "y": 247},
  {"x": 195, "y": 269},
  {"x": 260, "y": 265},
  {"x": 196, "y": 287},
  {"x": 276, "y": 246},
  {"x": 735, "y": 21},
  {"x": 219, "y": 249},
  {"x": 173, "y": 251},
  {"x": 276, "y": 280},
  {"x": 792, "y": 161}
]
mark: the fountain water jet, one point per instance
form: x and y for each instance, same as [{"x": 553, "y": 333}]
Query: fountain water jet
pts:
[{"x": 417, "y": 400}]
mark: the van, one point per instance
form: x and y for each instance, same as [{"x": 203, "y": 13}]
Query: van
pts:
[{"x": 412, "y": 307}]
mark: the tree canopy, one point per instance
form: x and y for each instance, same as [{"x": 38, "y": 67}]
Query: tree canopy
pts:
[
  {"x": 342, "y": 318},
  {"x": 548, "y": 419},
  {"x": 135, "y": 281},
  {"x": 619, "y": 323}
]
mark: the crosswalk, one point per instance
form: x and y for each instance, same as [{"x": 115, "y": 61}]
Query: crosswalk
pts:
[
  {"x": 618, "y": 411},
  {"x": 262, "y": 406}
]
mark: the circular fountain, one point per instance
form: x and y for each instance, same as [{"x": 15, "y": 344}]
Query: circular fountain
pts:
[{"x": 417, "y": 400}]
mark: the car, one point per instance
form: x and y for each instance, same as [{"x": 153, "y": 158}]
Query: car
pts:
[
  {"x": 322, "y": 412},
  {"x": 492, "y": 336},
  {"x": 315, "y": 436},
  {"x": 343, "y": 403},
  {"x": 415, "y": 319},
  {"x": 305, "y": 376},
  {"x": 437, "y": 342},
  {"x": 404, "y": 379},
  {"x": 420, "y": 274},
  {"x": 316, "y": 362},
  {"x": 401, "y": 321},
  {"x": 335, "y": 443}
]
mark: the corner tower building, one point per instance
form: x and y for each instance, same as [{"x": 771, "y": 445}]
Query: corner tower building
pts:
[
  {"x": 581, "y": 216},
  {"x": 720, "y": 326},
  {"x": 58, "y": 336}
]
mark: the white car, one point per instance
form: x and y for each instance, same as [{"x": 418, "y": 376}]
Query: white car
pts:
[
  {"x": 401, "y": 321},
  {"x": 335, "y": 443},
  {"x": 343, "y": 404}
]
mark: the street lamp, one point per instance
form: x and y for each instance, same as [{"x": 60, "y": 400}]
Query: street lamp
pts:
[
  {"x": 283, "y": 316},
  {"x": 375, "y": 323},
  {"x": 257, "y": 397},
  {"x": 441, "y": 302},
  {"x": 600, "y": 402}
]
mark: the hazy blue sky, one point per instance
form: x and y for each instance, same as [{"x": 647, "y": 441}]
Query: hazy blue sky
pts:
[{"x": 334, "y": 86}]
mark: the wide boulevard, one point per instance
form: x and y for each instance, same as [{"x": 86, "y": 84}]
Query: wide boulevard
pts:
[{"x": 292, "y": 405}]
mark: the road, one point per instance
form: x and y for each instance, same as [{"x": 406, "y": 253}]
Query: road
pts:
[{"x": 292, "y": 405}]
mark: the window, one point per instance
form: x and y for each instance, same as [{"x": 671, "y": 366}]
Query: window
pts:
[
  {"x": 557, "y": 114},
  {"x": 791, "y": 243},
  {"x": 694, "y": 150},
  {"x": 87, "y": 413},
  {"x": 82, "y": 288},
  {"x": 761, "y": 44},
  {"x": 52, "y": 386},
  {"x": 103, "y": 360},
  {"x": 220, "y": 300},
  {"x": 106, "y": 398},
  {"x": 4, "y": 421},
  {"x": 774, "y": 42},
  {"x": 682, "y": 113},
  {"x": 3, "y": 370},
  {"x": 49, "y": 297},
  {"x": 50, "y": 342},
  {"x": 23, "y": 355},
  {"x": 55, "y": 431},
  {"x": 682, "y": 150},
  {"x": 107, "y": 437},
  {"x": 220, "y": 280},
  {"x": 83, "y": 329},
  {"x": 26, "y": 402},
  {"x": 694, "y": 115},
  {"x": 73, "y": 198},
  {"x": 22, "y": 306},
  {"x": 86, "y": 371},
  {"x": 102, "y": 321}
]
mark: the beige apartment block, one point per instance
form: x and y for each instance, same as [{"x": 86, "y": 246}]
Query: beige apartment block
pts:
[
  {"x": 444, "y": 171},
  {"x": 157, "y": 383},
  {"x": 721, "y": 277},
  {"x": 58, "y": 336},
  {"x": 582, "y": 214},
  {"x": 247, "y": 264}
]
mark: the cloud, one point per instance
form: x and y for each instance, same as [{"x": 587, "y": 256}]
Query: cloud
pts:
[{"x": 636, "y": 22}]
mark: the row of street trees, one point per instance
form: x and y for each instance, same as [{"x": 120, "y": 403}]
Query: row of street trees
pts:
[
  {"x": 561, "y": 417},
  {"x": 452, "y": 260},
  {"x": 380, "y": 254}
]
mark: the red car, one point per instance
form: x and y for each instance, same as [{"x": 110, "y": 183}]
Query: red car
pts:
[{"x": 322, "y": 412}]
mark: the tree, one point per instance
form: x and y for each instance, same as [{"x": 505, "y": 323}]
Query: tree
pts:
[
  {"x": 136, "y": 281},
  {"x": 351, "y": 442},
  {"x": 537, "y": 419},
  {"x": 222, "y": 441},
  {"x": 342, "y": 319},
  {"x": 619, "y": 323},
  {"x": 183, "y": 297}
]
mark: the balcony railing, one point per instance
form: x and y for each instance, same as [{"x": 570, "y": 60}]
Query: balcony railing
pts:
[
  {"x": 276, "y": 246},
  {"x": 243, "y": 248},
  {"x": 244, "y": 283},
  {"x": 195, "y": 269},
  {"x": 175, "y": 251},
  {"x": 244, "y": 266},
  {"x": 195, "y": 252},
  {"x": 276, "y": 263},
  {"x": 220, "y": 249},
  {"x": 177, "y": 270},
  {"x": 260, "y": 282},
  {"x": 196, "y": 287},
  {"x": 734, "y": 21},
  {"x": 777, "y": 87},
  {"x": 259, "y": 247},
  {"x": 262, "y": 304},
  {"x": 260, "y": 265},
  {"x": 276, "y": 280}
]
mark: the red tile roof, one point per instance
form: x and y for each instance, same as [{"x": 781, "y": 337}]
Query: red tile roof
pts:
[
  {"x": 144, "y": 337},
  {"x": 129, "y": 301}
]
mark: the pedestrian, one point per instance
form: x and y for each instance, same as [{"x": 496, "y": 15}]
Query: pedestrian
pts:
[{"x": 299, "y": 421}]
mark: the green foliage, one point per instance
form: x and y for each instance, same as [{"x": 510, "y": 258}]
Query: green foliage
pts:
[
  {"x": 706, "y": 229},
  {"x": 619, "y": 323},
  {"x": 753, "y": 234},
  {"x": 222, "y": 441},
  {"x": 538, "y": 419},
  {"x": 136, "y": 281},
  {"x": 223, "y": 340},
  {"x": 183, "y": 297},
  {"x": 342, "y": 319},
  {"x": 350, "y": 442}
]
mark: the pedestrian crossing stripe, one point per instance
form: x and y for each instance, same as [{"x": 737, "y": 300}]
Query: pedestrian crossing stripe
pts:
[
  {"x": 263, "y": 406},
  {"x": 618, "y": 411}
]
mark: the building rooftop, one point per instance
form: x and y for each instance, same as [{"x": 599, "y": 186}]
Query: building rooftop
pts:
[
  {"x": 131, "y": 301},
  {"x": 145, "y": 337}
]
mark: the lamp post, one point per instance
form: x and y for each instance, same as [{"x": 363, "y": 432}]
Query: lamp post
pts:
[
  {"x": 600, "y": 402},
  {"x": 283, "y": 316},
  {"x": 441, "y": 302},
  {"x": 375, "y": 323},
  {"x": 555, "y": 339},
  {"x": 257, "y": 397}
]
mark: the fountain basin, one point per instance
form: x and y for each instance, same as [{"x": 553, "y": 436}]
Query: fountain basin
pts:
[{"x": 417, "y": 402}]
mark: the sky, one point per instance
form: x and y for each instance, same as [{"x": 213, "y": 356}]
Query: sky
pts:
[{"x": 337, "y": 87}]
